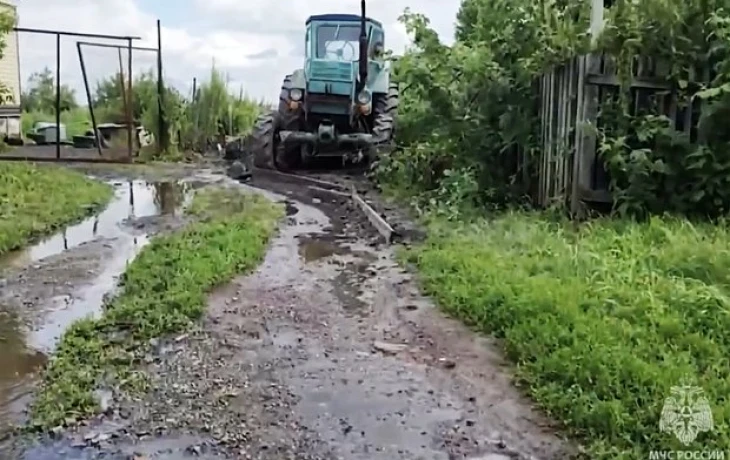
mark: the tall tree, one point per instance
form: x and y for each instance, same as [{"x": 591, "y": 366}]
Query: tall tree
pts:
[{"x": 40, "y": 94}]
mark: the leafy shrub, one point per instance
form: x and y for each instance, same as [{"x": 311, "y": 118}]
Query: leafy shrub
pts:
[{"x": 472, "y": 107}]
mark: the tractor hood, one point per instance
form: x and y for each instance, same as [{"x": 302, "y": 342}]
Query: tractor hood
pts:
[{"x": 331, "y": 77}]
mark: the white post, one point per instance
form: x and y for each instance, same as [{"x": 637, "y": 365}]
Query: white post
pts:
[{"x": 597, "y": 7}]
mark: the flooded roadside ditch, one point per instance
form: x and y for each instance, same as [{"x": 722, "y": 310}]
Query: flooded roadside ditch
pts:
[{"x": 47, "y": 286}]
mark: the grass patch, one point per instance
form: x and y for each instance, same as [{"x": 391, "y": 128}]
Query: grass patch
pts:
[
  {"x": 602, "y": 320},
  {"x": 37, "y": 200},
  {"x": 163, "y": 291}
]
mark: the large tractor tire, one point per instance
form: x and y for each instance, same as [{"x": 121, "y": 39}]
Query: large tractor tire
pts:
[
  {"x": 265, "y": 140},
  {"x": 288, "y": 157},
  {"x": 385, "y": 109}
]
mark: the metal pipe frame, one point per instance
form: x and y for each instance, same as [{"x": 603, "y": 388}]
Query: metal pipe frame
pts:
[
  {"x": 164, "y": 141},
  {"x": 58, "y": 34},
  {"x": 89, "y": 101},
  {"x": 64, "y": 160},
  {"x": 58, "y": 96},
  {"x": 74, "y": 34},
  {"x": 130, "y": 120},
  {"x": 129, "y": 91},
  {"x": 117, "y": 47}
]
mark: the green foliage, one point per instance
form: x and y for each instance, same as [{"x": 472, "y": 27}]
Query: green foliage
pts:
[
  {"x": 163, "y": 291},
  {"x": 40, "y": 94},
  {"x": 469, "y": 111},
  {"x": 653, "y": 167},
  {"x": 77, "y": 120},
  {"x": 26, "y": 208},
  {"x": 190, "y": 123},
  {"x": 215, "y": 111},
  {"x": 602, "y": 320}
]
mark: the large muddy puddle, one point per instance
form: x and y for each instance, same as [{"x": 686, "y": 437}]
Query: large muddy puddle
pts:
[{"x": 116, "y": 229}]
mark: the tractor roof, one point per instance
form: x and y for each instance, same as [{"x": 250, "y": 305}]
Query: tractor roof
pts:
[{"x": 341, "y": 18}]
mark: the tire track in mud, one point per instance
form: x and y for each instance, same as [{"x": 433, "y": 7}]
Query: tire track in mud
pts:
[{"x": 327, "y": 351}]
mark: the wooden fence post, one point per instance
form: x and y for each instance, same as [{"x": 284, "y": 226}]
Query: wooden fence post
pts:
[{"x": 587, "y": 115}]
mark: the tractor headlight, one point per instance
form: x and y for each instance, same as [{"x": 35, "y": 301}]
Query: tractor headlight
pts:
[
  {"x": 364, "y": 97},
  {"x": 296, "y": 94}
]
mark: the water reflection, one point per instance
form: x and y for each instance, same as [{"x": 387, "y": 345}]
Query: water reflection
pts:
[
  {"x": 19, "y": 359},
  {"x": 18, "y": 365},
  {"x": 133, "y": 200}
]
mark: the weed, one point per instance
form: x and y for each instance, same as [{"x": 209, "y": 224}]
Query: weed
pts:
[
  {"x": 36, "y": 200},
  {"x": 163, "y": 291},
  {"x": 602, "y": 319}
]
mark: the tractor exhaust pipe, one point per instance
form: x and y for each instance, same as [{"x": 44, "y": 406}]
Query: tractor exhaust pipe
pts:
[{"x": 363, "y": 61}]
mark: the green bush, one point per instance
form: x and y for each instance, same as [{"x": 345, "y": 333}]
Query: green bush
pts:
[
  {"x": 469, "y": 113},
  {"x": 77, "y": 121}
]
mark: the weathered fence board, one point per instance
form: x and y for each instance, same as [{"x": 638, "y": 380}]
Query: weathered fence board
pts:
[{"x": 571, "y": 95}]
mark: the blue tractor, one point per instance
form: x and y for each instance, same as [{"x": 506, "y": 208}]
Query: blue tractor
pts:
[{"x": 342, "y": 104}]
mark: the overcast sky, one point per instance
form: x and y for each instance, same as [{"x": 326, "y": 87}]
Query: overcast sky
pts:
[{"x": 256, "y": 42}]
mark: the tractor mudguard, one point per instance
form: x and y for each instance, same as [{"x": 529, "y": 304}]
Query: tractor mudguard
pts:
[{"x": 299, "y": 79}]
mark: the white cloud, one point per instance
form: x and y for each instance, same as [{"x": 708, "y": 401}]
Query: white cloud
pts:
[{"x": 256, "y": 42}]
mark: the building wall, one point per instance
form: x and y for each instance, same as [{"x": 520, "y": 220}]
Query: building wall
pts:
[
  {"x": 9, "y": 64},
  {"x": 10, "y": 126}
]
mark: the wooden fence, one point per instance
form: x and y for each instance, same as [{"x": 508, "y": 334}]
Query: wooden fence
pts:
[{"x": 571, "y": 96}]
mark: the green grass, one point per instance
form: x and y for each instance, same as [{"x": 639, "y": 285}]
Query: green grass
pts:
[
  {"x": 163, "y": 292},
  {"x": 601, "y": 320},
  {"x": 35, "y": 201}
]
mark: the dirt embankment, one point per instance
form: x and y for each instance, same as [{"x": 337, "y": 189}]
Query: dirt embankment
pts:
[{"x": 326, "y": 351}]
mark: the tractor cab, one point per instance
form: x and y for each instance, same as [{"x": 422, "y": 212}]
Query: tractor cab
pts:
[{"x": 333, "y": 52}]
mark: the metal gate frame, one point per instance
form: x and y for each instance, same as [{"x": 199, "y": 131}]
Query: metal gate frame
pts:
[{"x": 129, "y": 46}]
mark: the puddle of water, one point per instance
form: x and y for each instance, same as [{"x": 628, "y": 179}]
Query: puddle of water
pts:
[
  {"x": 162, "y": 448},
  {"x": 90, "y": 299},
  {"x": 18, "y": 365},
  {"x": 25, "y": 352},
  {"x": 313, "y": 249},
  {"x": 133, "y": 199}
]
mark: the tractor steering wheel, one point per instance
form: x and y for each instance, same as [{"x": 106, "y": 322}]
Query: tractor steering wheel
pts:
[{"x": 339, "y": 53}]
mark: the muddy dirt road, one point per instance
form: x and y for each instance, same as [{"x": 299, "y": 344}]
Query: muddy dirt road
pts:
[{"x": 327, "y": 351}]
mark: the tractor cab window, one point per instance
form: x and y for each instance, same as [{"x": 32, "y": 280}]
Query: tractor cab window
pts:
[
  {"x": 339, "y": 43},
  {"x": 378, "y": 38},
  {"x": 308, "y": 44}
]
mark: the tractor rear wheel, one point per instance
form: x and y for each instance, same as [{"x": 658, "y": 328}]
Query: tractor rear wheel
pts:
[
  {"x": 385, "y": 108},
  {"x": 265, "y": 140},
  {"x": 288, "y": 157}
]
